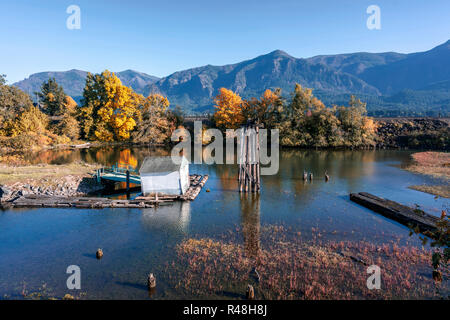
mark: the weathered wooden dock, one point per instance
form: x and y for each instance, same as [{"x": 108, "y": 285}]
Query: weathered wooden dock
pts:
[
  {"x": 197, "y": 183},
  {"x": 45, "y": 201},
  {"x": 396, "y": 211}
]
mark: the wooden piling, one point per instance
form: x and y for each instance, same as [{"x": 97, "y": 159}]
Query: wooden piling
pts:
[
  {"x": 250, "y": 294},
  {"x": 128, "y": 184},
  {"x": 151, "y": 281},
  {"x": 99, "y": 254},
  {"x": 249, "y": 156}
]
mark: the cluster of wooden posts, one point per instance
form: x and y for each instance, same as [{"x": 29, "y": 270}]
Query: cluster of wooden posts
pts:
[{"x": 249, "y": 156}]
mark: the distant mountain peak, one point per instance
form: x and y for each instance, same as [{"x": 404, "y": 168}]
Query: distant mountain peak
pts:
[{"x": 279, "y": 53}]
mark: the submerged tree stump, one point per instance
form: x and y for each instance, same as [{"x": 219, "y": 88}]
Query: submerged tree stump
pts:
[
  {"x": 99, "y": 254},
  {"x": 250, "y": 294},
  {"x": 151, "y": 281}
]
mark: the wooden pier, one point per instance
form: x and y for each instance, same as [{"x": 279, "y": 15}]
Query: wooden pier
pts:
[
  {"x": 390, "y": 209},
  {"x": 45, "y": 201}
]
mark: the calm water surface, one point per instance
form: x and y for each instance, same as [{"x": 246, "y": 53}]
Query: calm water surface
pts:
[{"x": 37, "y": 245}]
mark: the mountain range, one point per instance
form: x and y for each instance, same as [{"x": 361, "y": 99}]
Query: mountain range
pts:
[
  {"x": 391, "y": 83},
  {"x": 73, "y": 81}
]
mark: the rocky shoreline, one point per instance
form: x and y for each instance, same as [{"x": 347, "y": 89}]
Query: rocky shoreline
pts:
[
  {"x": 418, "y": 133},
  {"x": 68, "y": 186}
]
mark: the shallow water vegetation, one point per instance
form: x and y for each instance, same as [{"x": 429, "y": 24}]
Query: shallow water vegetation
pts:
[
  {"x": 441, "y": 191},
  {"x": 436, "y": 164},
  {"x": 291, "y": 268},
  {"x": 46, "y": 293}
]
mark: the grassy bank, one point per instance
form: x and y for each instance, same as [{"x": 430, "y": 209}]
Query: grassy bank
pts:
[
  {"x": 45, "y": 174},
  {"x": 436, "y": 164}
]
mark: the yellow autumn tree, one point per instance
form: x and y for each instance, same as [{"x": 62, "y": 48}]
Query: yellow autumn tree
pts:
[
  {"x": 31, "y": 121},
  {"x": 229, "y": 109},
  {"x": 109, "y": 108}
]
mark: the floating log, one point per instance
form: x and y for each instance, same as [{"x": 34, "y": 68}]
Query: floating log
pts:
[
  {"x": 395, "y": 211},
  {"x": 81, "y": 146}
]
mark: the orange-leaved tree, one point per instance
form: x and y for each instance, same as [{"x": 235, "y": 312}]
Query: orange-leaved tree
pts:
[
  {"x": 266, "y": 110},
  {"x": 229, "y": 109}
]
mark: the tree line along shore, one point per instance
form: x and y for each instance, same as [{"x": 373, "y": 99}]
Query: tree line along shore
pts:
[{"x": 110, "y": 112}]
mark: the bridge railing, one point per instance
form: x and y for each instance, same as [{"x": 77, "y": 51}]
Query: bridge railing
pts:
[{"x": 117, "y": 169}]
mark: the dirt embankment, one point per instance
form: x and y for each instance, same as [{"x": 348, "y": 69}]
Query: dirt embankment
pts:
[
  {"x": 74, "y": 179},
  {"x": 436, "y": 164},
  {"x": 414, "y": 133}
]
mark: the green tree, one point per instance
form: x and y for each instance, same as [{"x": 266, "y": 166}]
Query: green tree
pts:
[
  {"x": 52, "y": 98},
  {"x": 12, "y": 100},
  {"x": 358, "y": 129},
  {"x": 293, "y": 125}
]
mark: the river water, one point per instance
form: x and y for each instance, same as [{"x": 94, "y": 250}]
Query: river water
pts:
[{"x": 37, "y": 245}]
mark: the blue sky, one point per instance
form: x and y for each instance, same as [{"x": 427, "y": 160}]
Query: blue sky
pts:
[{"x": 161, "y": 37}]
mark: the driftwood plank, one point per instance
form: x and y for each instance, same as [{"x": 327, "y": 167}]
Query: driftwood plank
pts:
[{"x": 396, "y": 211}]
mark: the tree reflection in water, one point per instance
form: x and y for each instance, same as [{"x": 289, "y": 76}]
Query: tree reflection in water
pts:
[{"x": 250, "y": 219}]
